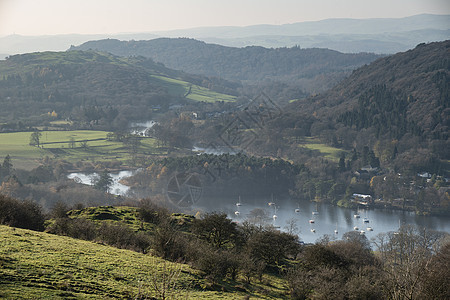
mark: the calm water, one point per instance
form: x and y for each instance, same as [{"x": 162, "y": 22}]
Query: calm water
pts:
[
  {"x": 329, "y": 218},
  {"x": 140, "y": 128},
  {"x": 116, "y": 188}
]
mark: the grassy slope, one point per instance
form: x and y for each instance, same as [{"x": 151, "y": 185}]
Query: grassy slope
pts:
[
  {"x": 39, "y": 265},
  {"x": 326, "y": 151},
  {"x": 178, "y": 87},
  {"x": 175, "y": 86},
  {"x": 56, "y": 143}
]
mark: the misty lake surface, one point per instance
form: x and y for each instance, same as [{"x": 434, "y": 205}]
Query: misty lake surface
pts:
[
  {"x": 328, "y": 218},
  {"x": 140, "y": 128},
  {"x": 116, "y": 188}
]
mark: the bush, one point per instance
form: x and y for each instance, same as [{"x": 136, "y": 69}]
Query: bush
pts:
[
  {"x": 151, "y": 212},
  {"x": 121, "y": 236},
  {"x": 23, "y": 214},
  {"x": 217, "y": 264},
  {"x": 77, "y": 228},
  {"x": 272, "y": 246},
  {"x": 168, "y": 242}
]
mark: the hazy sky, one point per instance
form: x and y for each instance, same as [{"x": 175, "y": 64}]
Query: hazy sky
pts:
[{"x": 39, "y": 17}]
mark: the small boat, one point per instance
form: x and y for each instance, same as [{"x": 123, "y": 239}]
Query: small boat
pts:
[
  {"x": 336, "y": 230},
  {"x": 271, "y": 203},
  {"x": 313, "y": 230},
  {"x": 315, "y": 212},
  {"x": 311, "y": 221},
  {"x": 275, "y": 217},
  {"x": 362, "y": 232},
  {"x": 366, "y": 220},
  {"x": 369, "y": 229},
  {"x": 238, "y": 204},
  {"x": 356, "y": 228},
  {"x": 237, "y": 213},
  {"x": 297, "y": 210},
  {"x": 356, "y": 216}
]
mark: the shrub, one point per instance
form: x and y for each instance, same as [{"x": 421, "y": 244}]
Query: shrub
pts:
[
  {"x": 121, "y": 236},
  {"x": 168, "y": 242},
  {"x": 151, "y": 212},
  {"x": 23, "y": 214}
]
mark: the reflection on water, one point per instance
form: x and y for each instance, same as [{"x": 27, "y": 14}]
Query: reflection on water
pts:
[
  {"x": 116, "y": 188},
  {"x": 214, "y": 150},
  {"x": 328, "y": 218},
  {"x": 140, "y": 128}
]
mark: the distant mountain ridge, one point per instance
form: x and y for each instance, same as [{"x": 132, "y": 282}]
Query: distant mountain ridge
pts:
[
  {"x": 310, "y": 69},
  {"x": 327, "y": 26},
  {"x": 382, "y": 36}
]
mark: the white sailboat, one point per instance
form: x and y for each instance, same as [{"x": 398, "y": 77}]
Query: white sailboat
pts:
[{"x": 315, "y": 212}]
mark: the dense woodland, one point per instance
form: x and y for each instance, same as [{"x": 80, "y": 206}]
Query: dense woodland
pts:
[
  {"x": 313, "y": 70},
  {"x": 88, "y": 88}
]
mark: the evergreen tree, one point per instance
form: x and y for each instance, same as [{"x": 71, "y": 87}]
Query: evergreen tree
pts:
[
  {"x": 103, "y": 182},
  {"x": 6, "y": 166}
]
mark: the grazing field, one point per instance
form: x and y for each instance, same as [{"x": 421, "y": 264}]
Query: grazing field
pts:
[
  {"x": 326, "y": 151},
  {"x": 36, "y": 265},
  {"x": 191, "y": 91},
  {"x": 68, "y": 145}
]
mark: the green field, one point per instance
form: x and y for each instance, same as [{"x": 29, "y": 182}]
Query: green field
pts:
[
  {"x": 194, "y": 92},
  {"x": 326, "y": 151},
  {"x": 57, "y": 144},
  {"x": 36, "y": 265}
]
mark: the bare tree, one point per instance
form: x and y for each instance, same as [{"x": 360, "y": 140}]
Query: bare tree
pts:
[{"x": 405, "y": 255}]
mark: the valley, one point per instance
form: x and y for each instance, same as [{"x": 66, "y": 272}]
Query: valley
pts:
[{"x": 180, "y": 168}]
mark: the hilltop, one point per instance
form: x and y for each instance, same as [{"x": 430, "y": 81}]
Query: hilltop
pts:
[
  {"x": 412, "y": 86},
  {"x": 63, "y": 267},
  {"x": 126, "y": 252},
  {"x": 309, "y": 69},
  {"x": 97, "y": 88}
]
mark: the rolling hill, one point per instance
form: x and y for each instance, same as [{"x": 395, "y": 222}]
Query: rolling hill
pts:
[
  {"x": 96, "y": 87},
  {"x": 310, "y": 69},
  {"x": 397, "y": 103},
  {"x": 417, "y": 79},
  {"x": 37, "y": 265}
]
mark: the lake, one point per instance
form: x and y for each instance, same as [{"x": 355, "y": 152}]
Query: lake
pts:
[
  {"x": 116, "y": 188},
  {"x": 328, "y": 219}
]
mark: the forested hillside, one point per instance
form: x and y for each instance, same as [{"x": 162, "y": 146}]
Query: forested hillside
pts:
[
  {"x": 413, "y": 85},
  {"x": 311, "y": 69},
  {"x": 95, "y": 88},
  {"x": 404, "y": 97}
]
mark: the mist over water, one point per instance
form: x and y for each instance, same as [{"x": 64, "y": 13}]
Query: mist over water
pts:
[
  {"x": 328, "y": 219},
  {"x": 140, "y": 128},
  {"x": 116, "y": 187}
]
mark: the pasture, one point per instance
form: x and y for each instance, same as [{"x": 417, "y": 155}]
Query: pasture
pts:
[{"x": 71, "y": 146}]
